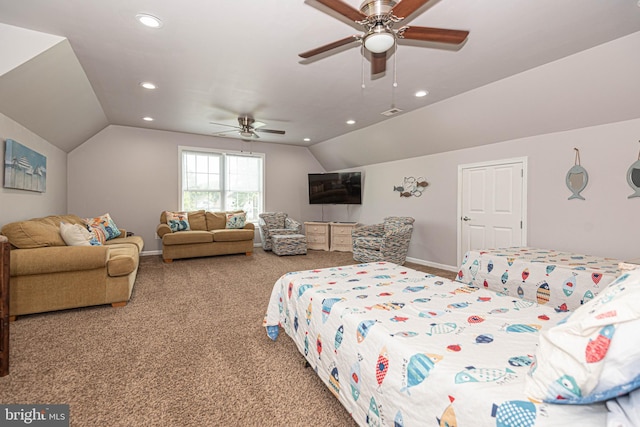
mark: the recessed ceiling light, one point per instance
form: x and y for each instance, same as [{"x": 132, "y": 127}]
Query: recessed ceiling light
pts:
[
  {"x": 307, "y": 139},
  {"x": 149, "y": 20},
  {"x": 148, "y": 85},
  {"x": 351, "y": 122},
  {"x": 421, "y": 93},
  {"x": 147, "y": 119}
]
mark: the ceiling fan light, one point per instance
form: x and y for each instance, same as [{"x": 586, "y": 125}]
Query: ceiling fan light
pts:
[
  {"x": 378, "y": 42},
  {"x": 246, "y": 134}
]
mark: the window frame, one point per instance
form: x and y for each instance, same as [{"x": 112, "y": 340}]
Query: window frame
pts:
[{"x": 223, "y": 173}]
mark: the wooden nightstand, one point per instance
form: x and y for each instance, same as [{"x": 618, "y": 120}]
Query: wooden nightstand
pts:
[
  {"x": 341, "y": 240},
  {"x": 317, "y": 235}
]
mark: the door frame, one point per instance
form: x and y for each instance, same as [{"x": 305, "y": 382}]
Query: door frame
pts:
[{"x": 461, "y": 168}]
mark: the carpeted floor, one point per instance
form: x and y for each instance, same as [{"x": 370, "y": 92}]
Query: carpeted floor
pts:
[{"x": 188, "y": 350}]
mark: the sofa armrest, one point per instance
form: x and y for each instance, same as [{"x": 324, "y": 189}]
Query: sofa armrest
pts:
[
  {"x": 123, "y": 233},
  {"x": 249, "y": 226},
  {"x": 163, "y": 229},
  {"x": 56, "y": 259}
]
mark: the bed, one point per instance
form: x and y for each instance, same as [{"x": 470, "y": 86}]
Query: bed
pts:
[
  {"x": 399, "y": 347},
  {"x": 548, "y": 277}
]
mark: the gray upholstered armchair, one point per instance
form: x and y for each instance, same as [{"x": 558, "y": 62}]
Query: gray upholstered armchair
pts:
[
  {"x": 388, "y": 241},
  {"x": 276, "y": 224}
]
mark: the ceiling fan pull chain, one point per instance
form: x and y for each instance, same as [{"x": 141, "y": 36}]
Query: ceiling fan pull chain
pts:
[
  {"x": 395, "y": 74},
  {"x": 362, "y": 63}
]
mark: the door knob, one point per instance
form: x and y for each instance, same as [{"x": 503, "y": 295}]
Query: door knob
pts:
[{"x": 466, "y": 218}]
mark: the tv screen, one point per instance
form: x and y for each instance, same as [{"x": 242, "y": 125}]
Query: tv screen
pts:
[{"x": 335, "y": 188}]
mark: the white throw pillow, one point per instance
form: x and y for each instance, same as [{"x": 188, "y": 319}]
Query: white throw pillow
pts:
[
  {"x": 594, "y": 354},
  {"x": 75, "y": 234}
]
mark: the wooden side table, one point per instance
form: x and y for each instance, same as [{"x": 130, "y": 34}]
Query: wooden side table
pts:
[
  {"x": 317, "y": 235},
  {"x": 341, "y": 239},
  {"x": 4, "y": 306}
]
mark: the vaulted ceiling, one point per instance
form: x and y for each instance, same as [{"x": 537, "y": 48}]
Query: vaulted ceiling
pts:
[{"x": 215, "y": 60}]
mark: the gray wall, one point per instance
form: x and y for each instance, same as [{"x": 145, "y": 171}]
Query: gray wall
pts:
[
  {"x": 132, "y": 173},
  {"x": 19, "y": 204},
  {"x": 604, "y": 224}
]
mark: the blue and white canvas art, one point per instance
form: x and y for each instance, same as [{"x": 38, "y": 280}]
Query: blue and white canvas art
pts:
[{"x": 24, "y": 169}]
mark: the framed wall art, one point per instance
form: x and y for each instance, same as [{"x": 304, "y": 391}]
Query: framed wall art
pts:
[{"x": 24, "y": 169}]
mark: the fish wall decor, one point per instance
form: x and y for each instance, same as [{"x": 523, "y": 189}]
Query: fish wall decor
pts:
[
  {"x": 577, "y": 178},
  {"x": 411, "y": 186},
  {"x": 633, "y": 178}
]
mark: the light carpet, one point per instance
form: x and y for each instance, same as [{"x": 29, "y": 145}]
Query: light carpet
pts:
[{"x": 189, "y": 349}]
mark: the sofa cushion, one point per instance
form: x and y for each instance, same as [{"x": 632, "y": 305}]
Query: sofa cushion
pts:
[
  {"x": 186, "y": 237},
  {"x": 123, "y": 260},
  {"x": 131, "y": 240},
  {"x": 232, "y": 235},
  {"x": 103, "y": 227},
  {"x": 236, "y": 220},
  {"x": 216, "y": 220},
  {"x": 34, "y": 233},
  {"x": 198, "y": 220},
  {"x": 56, "y": 259},
  {"x": 177, "y": 221}
]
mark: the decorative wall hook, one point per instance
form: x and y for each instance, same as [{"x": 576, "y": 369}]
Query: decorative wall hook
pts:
[
  {"x": 633, "y": 177},
  {"x": 577, "y": 178},
  {"x": 411, "y": 187}
]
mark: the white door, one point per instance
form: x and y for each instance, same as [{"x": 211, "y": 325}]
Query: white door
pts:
[{"x": 492, "y": 205}]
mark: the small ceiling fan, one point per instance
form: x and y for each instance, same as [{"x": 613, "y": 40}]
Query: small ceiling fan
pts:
[
  {"x": 248, "y": 127},
  {"x": 378, "y": 17}
]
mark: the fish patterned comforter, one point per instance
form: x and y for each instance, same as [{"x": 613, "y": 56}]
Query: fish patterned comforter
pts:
[
  {"x": 562, "y": 280},
  {"x": 400, "y": 347}
]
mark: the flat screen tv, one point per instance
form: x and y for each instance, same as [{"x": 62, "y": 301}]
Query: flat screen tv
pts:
[{"x": 337, "y": 188}]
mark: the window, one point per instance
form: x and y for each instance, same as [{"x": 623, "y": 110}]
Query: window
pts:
[{"x": 221, "y": 181}]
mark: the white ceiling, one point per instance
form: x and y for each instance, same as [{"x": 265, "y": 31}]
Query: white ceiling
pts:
[{"x": 215, "y": 60}]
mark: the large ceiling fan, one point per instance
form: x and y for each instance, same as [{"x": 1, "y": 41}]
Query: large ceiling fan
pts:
[
  {"x": 378, "y": 17},
  {"x": 248, "y": 127}
]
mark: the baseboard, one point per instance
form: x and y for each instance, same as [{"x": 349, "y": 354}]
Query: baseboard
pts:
[
  {"x": 452, "y": 268},
  {"x": 148, "y": 253},
  {"x": 159, "y": 252}
]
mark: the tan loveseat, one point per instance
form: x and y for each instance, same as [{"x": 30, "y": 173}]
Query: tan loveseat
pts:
[
  {"x": 207, "y": 236},
  {"x": 47, "y": 275}
]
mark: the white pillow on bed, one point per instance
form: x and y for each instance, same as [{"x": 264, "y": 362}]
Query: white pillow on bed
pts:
[{"x": 593, "y": 354}]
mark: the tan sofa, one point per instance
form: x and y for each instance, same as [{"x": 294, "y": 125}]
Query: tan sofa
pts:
[
  {"x": 207, "y": 237},
  {"x": 47, "y": 275}
]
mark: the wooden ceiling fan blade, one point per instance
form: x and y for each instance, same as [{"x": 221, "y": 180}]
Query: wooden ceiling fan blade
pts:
[
  {"x": 279, "y": 132},
  {"x": 378, "y": 62},
  {"x": 343, "y": 9},
  {"x": 329, "y": 46},
  {"x": 439, "y": 35},
  {"x": 407, "y": 7}
]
